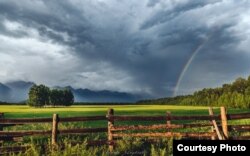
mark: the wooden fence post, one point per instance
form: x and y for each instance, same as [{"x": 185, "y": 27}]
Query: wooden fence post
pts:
[
  {"x": 54, "y": 130},
  {"x": 223, "y": 113},
  {"x": 1, "y": 117},
  {"x": 215, "y": 127},
  {"x": 168, "y": 120},
  {"x": 110, "y": 125}
]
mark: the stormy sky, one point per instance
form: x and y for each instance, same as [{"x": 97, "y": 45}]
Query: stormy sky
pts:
[{"x": 152, "y": 47}]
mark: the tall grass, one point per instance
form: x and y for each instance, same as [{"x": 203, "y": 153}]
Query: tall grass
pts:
[{"x": 125, "y": 146}]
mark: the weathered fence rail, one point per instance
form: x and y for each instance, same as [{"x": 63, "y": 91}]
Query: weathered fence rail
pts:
[
  {"x": 44, "y": 120},
  {"x": 220, "y": 129},
  {"x": 163, "y": 118}
]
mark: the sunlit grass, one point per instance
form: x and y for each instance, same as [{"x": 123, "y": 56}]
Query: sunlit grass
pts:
[{"x": 17, "y": 111}]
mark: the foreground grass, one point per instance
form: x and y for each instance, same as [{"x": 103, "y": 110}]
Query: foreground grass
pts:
[{"x": 124, "y": 146}]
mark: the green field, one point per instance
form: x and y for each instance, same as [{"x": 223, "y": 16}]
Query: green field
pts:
[{"x": 17, "y": 111}]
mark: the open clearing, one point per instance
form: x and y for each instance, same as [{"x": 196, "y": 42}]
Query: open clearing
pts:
[{"x": 17, "y": 111}]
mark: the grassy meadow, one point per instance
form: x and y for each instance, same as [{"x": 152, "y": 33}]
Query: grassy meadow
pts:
[
  {"x": 17, "y": 111},
  {"x": 20, "y": 111}
]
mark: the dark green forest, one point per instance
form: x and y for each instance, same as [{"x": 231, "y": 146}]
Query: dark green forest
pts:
[{"x": 235, "y": 95}]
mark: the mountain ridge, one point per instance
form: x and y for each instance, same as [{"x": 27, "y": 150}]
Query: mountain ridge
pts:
[{"x": 17, "y": 91}]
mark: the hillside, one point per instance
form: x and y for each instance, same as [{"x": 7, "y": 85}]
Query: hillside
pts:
[
  {"x": 17, "y": 91},
  {"x": 235, "y": 94}
]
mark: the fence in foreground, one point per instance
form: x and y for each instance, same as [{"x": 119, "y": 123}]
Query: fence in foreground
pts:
[{"x": 217, "y": 128}]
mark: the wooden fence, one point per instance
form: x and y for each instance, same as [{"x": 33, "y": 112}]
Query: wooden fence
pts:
[{"x": 219, "y": 127}]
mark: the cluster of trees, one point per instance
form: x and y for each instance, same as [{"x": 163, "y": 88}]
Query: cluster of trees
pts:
[
  {"x": 236, "y": 95},
  {"x": 41, "y": 95}
]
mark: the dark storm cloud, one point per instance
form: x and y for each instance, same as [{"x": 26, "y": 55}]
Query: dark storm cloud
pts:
[
  {"x": 139, "y": 46},
  {"x": 55, "y": 19},
  {"x": 177, "y": 8},
  {"x": 152, "y": 3}
]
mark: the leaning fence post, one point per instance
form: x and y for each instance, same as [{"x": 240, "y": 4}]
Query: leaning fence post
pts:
[
  {"x": 54, "y": 130},
  {"x": 215, "y": 127},
  {"x": 210, "y": 110},
  {"x": 110, "y": 125},
  {"x": 223, "y": 113},
  {"x": 212, "y": 130},
  {"x": 1, "y": 117}
]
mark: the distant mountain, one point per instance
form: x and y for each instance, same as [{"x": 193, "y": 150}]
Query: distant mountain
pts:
[
  {"x": 5, "y": 92},
  {"x": 103, "y": 96},
  {"x": 86, "y": 95},
  {"x": 17, "y": 91},
  {"x": 19, "y": 84}
]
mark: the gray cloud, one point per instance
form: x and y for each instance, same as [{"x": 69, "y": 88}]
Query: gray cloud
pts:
[{"x": 140, "y": 46}]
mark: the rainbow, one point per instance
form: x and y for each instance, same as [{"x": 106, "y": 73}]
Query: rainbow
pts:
[{"x": 186, "y": 66}]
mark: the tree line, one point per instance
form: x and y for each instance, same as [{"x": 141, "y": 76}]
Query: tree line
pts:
[
  {"x": 41, "y": 95},
  {"x": 236, "y": 95}
]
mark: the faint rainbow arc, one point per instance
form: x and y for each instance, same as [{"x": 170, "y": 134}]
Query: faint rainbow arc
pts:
[{"x": 190, "y": 60}]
